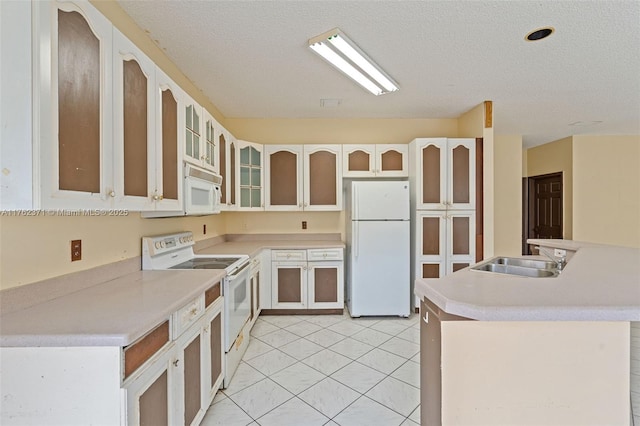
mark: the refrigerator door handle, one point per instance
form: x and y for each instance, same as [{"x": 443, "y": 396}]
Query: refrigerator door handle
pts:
[
  {"x": 356, "y": 224},
  {"x": 354, "y": 203}
]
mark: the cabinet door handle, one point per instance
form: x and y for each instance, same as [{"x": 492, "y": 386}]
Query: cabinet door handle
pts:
[
  {"x": 426, "y": 318},
  {"x": 176, "y": 362},
  {"x": 112, "y": 194}
]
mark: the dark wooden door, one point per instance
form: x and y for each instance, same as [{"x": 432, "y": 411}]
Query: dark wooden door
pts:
[{"x": 545, "y": 206}]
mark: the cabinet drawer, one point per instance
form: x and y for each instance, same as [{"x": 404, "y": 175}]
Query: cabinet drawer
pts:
[
  {"x": 187, "y": 315},
  {"x": 288, "y": 255},
  {"x": 211, "y": 294},
  {"x": 139, "y": 352},
  {"x": 325, "y": 254}
]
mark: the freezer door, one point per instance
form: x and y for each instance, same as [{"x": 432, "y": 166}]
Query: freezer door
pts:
[
  {"x": 379, "y": 282},
  {"x": 380, "y": 200}
]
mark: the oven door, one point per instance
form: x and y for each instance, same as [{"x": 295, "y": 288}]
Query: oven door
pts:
[{"x": 237, "y": 304}]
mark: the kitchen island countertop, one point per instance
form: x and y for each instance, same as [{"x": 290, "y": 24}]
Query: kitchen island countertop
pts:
[{"x": 599, "y": 283}]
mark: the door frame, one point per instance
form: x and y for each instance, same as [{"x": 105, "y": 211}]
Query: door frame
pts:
[{"x": 528, "y": 206}]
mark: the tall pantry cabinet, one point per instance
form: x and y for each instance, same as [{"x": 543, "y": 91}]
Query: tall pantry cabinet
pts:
[{"x": 442, "y": 172}]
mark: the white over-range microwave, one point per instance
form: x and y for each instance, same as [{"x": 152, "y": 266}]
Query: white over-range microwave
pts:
[{"x": 201, "y": 194}]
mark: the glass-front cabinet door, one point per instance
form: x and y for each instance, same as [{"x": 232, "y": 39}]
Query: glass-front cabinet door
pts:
[
  {"x": 210, "y": 155},
  {"x": 192, "y": 131},
  {"x": 250, "y": 168}
]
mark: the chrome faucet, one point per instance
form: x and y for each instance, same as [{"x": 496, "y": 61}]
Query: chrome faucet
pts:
[{"x": 560, "y": 262}]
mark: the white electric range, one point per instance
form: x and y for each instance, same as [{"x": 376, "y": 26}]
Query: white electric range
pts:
[{"x": 175, "y": 251}]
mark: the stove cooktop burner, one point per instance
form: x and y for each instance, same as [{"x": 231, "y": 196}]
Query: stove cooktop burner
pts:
[{"x": 207, "y": 263}]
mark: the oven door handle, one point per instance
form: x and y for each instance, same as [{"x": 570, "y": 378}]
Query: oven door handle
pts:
[{"x": 237, "y": 271}]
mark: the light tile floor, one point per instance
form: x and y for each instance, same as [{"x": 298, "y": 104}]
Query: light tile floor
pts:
[{"x": 302, "y": 370}]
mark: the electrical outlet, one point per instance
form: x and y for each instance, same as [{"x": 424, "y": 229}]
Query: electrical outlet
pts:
[
  {"x": 304, "y": 224},
  {"x": 76, "y": 250}
]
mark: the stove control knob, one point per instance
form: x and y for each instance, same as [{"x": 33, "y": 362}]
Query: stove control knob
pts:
[
  {"x": 162, "y": 244},
  {"x": 157, "y": 244}
]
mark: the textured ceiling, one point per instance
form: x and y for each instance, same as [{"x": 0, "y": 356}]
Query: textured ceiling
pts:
[{"x": 250, "y": 58}]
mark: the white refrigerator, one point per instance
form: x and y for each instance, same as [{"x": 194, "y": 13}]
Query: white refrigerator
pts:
[{"x": 378, "y": 244}]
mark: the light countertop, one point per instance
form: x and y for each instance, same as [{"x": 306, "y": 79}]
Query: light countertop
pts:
[
  {"x": 114, "y": 313},
  {"x": 253, "y": 248},
  {"x": 119, "y": 311},
  {"x": 599, "y": 283}
]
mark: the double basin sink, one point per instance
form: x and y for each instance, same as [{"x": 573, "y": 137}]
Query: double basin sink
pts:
[{"x": 519, "y": 266}]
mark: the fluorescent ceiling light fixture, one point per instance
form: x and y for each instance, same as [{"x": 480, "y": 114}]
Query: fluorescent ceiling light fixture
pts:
[{"x": 335, "y": 47}]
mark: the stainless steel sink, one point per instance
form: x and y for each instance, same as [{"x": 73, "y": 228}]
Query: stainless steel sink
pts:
[
  {"x": 527, "y": 263},
  {"x": 519, "y": 266}
]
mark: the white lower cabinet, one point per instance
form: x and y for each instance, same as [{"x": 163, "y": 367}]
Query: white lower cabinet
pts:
[
  {"x": 307, "y": 279},
  {"x": 178, "y": 387},
  {"x": 149, "y": 394},
  {"x": 160, "y": 379}
]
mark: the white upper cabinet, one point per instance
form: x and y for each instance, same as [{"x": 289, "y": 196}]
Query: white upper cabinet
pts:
[
  {"x": 250, "y": 170},
  {"x": 445, "y": 173},
  {"x": 103, "y": 136},
  {"x": 169, "y": 101},
  {"x": 283, "y": 177},
  {"x": 134, "y": 128},
  {"x": 228, "y": 149},
  {"x": 210, "y": 152},
  {"x": 16, "y": 181},
  {"x": 193, "y": 131},
  {"x": 74, "y": 96},
  {"x": 322, "y": 177},
  {"x": 303, "y": 177},
  {"x": 375, "y": 160}
]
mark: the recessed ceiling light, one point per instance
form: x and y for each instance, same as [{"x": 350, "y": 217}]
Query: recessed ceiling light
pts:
[{"x": 539, "y": 34}]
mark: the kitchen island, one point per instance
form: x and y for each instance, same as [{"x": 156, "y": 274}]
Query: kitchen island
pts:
[{"x": 505, "y": 349}]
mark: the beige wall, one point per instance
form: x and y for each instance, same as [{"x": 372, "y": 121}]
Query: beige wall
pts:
[
  {"x": 37, "y": 248},
  {"x": 556, "y": 157},
  {"x": 339, "y": 131},
  {"x": 471, "y": 123},
  {"x": 606, "y": 189},
  {"x": 284, "y": 222},
  {"x": 508, "y": 194}
]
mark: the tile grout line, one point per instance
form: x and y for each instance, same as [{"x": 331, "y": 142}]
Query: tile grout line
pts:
[{"x": 324, "y": 375}]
